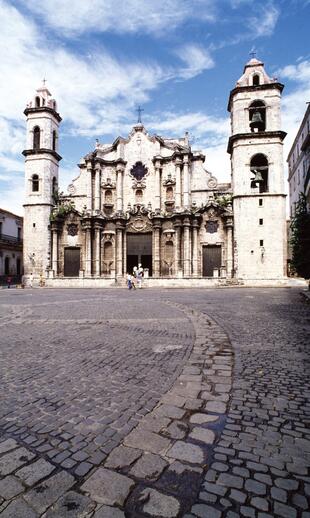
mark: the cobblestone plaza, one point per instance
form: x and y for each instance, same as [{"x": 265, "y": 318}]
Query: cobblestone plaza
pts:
[{"x": 154, "y": 403}]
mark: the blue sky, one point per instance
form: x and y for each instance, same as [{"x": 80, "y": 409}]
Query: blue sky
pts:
[{"x": 178, "y": 59}]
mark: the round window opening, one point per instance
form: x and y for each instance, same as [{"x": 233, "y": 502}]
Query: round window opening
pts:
[{"x": 138, "y": 171}]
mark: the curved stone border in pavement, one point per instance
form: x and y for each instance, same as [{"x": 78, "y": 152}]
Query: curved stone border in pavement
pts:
[{"x": 160, "y": 466}]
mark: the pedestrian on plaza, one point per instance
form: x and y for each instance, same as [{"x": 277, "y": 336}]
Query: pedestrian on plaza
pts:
[
  {"x": 9, "y": 280},
  {"x": 140, "y": 275},
  {"x": 130, "y": 282},
  {"x": 31, "y": 280}
]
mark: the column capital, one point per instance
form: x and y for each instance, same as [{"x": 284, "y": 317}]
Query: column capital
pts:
[
  {"x": 186, "y": 222},
  {"x": 185, "y": 159},
  {"x": 178, "y": 161},
  {"x": 195, "y": 223},
  {"x": 157, "y": 161}
]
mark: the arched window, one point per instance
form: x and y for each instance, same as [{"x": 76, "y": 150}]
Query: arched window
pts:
[
  {"x": 167, "y": 266},
  {"x": 54, "y": 137},
  {"x": 36, "y": 137},
  {"x": 37, "y": 102},
  {"x": 35, "y": 183},
  {"x": 108, "y": 257},
  {"x": 54, "y": 185},
  {"x": 256, "y": 80},
  {"x": 139, "y": 196},
  {"x": 259, "y": 170},
  {"x": 257, "y": 116}
]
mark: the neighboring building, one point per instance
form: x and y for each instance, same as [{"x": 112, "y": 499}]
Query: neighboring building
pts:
[
  {"x": 299, "y": 164},
  {"x": 11, "y": 246},
  {"x": 148, "y": 199}
]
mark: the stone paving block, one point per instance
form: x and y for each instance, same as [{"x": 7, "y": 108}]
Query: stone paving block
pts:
[
  {"x": 108, "y": 512},
  {"x": 122, "y": 457},
  {"x": 215, "y": 488},
  {"x": 238, "y": 496},
  {"x": 45, "y": 494},
  {"x": 219, "y": 466},
  {"x": 14, "y": 459},
  {"x": 207, "y": 497},
  {"x": 148, "y": 467},
  {"x": 71, "y": 505},
  {"x": 216, "y": 406},
  {"x": 185, "y": 451},
  {"x": 19, "y": 509},
  {"x": 285, "y": 511},
  {"x": 34, "y": 472},
  {"x": 83, "y": 468},
  {"x": 287, "y": 484},
  {"x": 225, "y": 479},
  {"x": 255, "y": 487},
  {"x": 170, "y": 411},
  {"x": 199, "y": 418},
  {"x": 107, "y": 487},
  {"x": 300, "y": 501},
  {"x": 260, "y": 503},
  {"x": 249, "y": 512},
  {"x": 279, "y": 494},
  {"x": 147, "y": 441},
  {"x": 154, "y": 423},
  {"x": 176, "y": 430},
  {"x": 10, "y": 486},
  {"x": 205, "y": 511},
  {"x": 7, "y": 445},
  {"x": 159, "y": 504},
  {"x": 202, "y": 434}
]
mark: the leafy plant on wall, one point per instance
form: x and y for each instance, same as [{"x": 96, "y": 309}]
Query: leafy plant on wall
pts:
[{"x": 300, "y": 240}]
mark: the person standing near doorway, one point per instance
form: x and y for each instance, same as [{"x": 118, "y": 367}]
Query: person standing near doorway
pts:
[
  {"x": 31, "y": 280},
  {"x": 140, "y": 276}
]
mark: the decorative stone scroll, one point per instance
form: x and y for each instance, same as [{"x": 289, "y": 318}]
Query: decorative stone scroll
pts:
[{"x": 72, "y": 229}]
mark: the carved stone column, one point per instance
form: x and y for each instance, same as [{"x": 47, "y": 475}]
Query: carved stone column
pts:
[
  {"x": 195, "y": 226},
  {"x": 119, "y": 250},
  {"x": 156, "y": 247},
  {"x": 229, "y": 253},
  {"x": 97, "y": 188},
  {"x": 55, "y": 249},
  {"x": 119, "y": 187},
  {"x": 185, "y": 182},
  {"x": 97, "y": 249},
  {"x": 157, "y": 165},
  {"x": 87, "y": 228},
  {"x": 89, "y": 194},
  {"x": 178, "y": 201},
  {"x": 177, "y": 250},
  {"x": 186, "y": 248}
]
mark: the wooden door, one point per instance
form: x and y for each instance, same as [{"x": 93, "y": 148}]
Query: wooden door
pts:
[
  {"x": 72, "y": 262},
  {"x": 211, "y": 259}
]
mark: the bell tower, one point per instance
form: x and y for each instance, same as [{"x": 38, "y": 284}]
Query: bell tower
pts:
[
  {"x": 41, "y": 180},
  {"x": 256, "y": 150}
]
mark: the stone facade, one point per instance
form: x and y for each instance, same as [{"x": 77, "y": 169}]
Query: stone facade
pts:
[
  {"x": 11, "y": 245},
  {"x": 149, "y": 200}
]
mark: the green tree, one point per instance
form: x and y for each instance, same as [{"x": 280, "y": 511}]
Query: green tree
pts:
[{"x": 300, "y": 240}]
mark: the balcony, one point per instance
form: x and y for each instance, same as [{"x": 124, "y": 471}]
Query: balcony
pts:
[{"x": 10, "y": 240}]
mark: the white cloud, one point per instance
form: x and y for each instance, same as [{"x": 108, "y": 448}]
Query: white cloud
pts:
[
  {"x": 264, "y": 22},
  {"x": 121, "y": 16},
  {"x": 196, "y": 58}
]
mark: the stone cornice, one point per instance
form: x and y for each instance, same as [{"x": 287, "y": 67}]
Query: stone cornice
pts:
[
  {"x": 43, "y": 109},
  {"x": 42, "y": 151},
  {"x": 252, "y": 135},
  {"x": 238, "y": 89}
]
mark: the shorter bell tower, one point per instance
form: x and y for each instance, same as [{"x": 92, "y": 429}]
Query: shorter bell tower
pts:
[
  {"x": 256, "y": 149},
  {"x": 41, "y": 180}
]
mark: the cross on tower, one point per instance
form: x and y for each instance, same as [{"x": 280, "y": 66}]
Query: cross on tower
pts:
[
  {"x": 139, "y": 110},
  {"x": 253, "y": 53},
  {"x": 44, "y": 81}
]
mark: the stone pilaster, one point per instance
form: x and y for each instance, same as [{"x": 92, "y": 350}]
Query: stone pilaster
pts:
[
  {"x": 229, "y": 252},
  {"x": 186, "y": 182},
  {"x": 55, "y": 249},
  {"x": 177, "y": 249},
  {"x": 97, "y": 249},
  {"x": 86, "y": 226},
  {"x": 186, "y": 248},
  {"x": 89, "y": 194},
  {"x": 178, "y": 201},
  {"x": 97, "y": 188},
  {"x": 156, "y": 247},
  {"x": 119, "y": 250},
  {"x": 119, "y": 187},
  {"x": 195, "y": 226},
  {"x": 157, "y": 165}
]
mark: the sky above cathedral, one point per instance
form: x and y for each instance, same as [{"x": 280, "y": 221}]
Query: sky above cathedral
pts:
[{"x": 178, "y": 59}]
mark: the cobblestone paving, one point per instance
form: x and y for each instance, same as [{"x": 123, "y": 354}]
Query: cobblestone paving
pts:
[{"x": 123, "y": 404}]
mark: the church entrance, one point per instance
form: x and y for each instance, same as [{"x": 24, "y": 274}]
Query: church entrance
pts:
[
  {"x": 71, "y": 262},
  {"x": 211, "y": 259},
  {"x": 139, "y": 251}
]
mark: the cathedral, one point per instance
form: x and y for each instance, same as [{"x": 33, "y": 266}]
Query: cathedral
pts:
[{"x": 150, "y": 200}]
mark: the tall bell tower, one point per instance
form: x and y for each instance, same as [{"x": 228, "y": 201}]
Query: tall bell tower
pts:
[
  {"x": 256, "y": 149},
  {"x": 41, "y": 179}
]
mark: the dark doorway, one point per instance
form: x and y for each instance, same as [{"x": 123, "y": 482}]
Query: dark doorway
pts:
[
  {"x": 211, "y": 259},
  {"x": 6, "y": 266},
  {"x": 139, "y": 251},
  {"x": 18, "y": 269},
  {"x": 72, "y": 262}
]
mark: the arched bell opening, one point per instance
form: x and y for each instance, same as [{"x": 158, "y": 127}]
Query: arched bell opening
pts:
[
  {"x": 259, "y": 168},
  {"x": 35, "y": 183},
  {"x": 257, "y": 116},
  {"x": 256, "y": 80}
]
